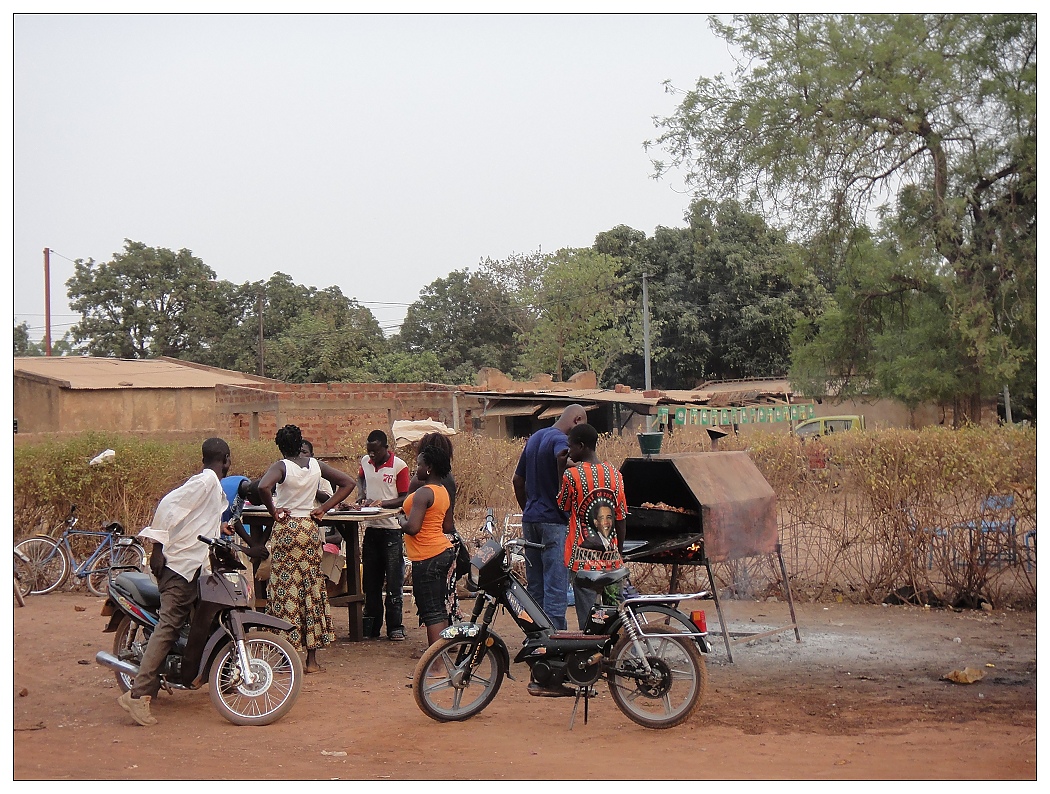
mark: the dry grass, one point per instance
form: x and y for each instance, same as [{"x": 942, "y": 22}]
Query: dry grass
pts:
[{"x": 882, "y": 517}]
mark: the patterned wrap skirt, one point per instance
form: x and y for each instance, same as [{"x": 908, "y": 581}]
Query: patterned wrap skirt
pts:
[{"x": 297, "y": 591}]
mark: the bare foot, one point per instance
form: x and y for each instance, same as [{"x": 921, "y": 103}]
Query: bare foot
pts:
[{"x": 314, "y": 669}]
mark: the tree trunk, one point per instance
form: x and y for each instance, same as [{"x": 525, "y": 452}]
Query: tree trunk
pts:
[{"x": 966, "y": 409}]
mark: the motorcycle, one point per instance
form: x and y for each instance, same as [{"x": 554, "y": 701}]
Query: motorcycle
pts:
[
  {"x": 649, "y": 651},
  {"x": 253, "y": 677}
]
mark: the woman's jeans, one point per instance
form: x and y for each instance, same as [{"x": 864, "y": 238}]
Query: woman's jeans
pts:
[{"x": 545, "y": 571}]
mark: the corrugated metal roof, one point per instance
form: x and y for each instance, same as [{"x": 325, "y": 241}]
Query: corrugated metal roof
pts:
[
  {"x": 556, "y": 410},
  {"x": 512, "y": 408},
  {"x": 82, "y": 372},
  {"x": 741, "y": 392},
  {"x": 570, "y": 396}
]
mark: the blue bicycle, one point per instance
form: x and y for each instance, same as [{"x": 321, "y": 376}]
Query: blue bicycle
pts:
[{"x": 51, "y": 560}]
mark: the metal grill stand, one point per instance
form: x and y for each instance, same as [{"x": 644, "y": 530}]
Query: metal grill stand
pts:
[
  {"x": 745, "y": 636},
  {"x": 699, "y": 508}
]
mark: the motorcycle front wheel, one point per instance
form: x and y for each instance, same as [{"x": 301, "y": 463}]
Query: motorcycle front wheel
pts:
[
  {"x": 441, "y": 686},
  {"x": 278, "y": 672},
  {"x": 671, "y": 692},
  {"x": 128, "y": 645}
]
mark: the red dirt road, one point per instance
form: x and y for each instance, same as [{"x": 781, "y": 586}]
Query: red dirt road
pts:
[{"x": 861, "y": 698}]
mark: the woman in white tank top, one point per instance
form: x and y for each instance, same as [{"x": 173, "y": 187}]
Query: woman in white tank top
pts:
[{"x": 294, "y": 594}]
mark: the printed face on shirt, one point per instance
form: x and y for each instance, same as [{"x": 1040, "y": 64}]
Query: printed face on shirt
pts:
[
  {"x": 598, "y": 528},
  {"x": 603, "y": 519}
]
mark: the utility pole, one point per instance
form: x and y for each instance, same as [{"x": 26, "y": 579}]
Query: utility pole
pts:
[
  {"x": 47, "y": 301},
  {"x": 259, "y": 311},
  {"x": 645, "y": 342}
]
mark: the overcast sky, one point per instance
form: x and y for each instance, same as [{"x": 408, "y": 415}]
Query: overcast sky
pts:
[{"x": 375, "y": 153}]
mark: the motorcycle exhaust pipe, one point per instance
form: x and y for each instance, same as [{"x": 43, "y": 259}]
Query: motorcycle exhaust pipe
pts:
[{"x": 113, "y": 663}]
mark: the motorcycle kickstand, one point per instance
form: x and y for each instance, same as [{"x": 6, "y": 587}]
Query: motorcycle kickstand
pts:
[{"x": 585, "y": 693}]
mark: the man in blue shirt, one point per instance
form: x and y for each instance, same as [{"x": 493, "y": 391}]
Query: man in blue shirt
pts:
[{"x": 536, "y": 482}]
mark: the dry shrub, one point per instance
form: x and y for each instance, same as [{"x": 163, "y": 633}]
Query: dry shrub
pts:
[
  {"x": 52, "y": 475},
  {"x": 885, "y": 516}
]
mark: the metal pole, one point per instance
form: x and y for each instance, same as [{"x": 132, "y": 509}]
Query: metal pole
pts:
[
  {"x": 259, "y": 311},
  {"x": 645, "y": 342},
  {"x": 47, "y": 301}
]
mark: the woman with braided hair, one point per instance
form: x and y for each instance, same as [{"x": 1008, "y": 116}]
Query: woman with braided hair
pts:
[
  {"x": 427, "y": 546},
  {"x": 449, "y": 527},
  {"x": 297, "y": 590}
]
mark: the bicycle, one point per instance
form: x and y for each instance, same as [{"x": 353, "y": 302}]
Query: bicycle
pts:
[
  {"x": 51, "y": 560},
  {"x": 21, "y": 582}
]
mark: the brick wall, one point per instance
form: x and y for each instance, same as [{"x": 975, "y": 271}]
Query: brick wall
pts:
[{"x": 334, "y": 416}]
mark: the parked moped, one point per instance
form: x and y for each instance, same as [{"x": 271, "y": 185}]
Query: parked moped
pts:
[
  {"x": 253, "y": 676},
  {"x": 648, "y": 651}
]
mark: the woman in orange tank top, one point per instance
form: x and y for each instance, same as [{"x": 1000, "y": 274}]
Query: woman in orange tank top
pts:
[{"x": 425, "y": 543}]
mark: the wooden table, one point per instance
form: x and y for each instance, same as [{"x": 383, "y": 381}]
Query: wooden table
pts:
[{"x": 346, "y": 522}]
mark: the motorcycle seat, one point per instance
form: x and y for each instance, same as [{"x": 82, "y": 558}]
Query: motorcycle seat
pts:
[
  {"x": 141, "y": 587},
  {"x": 599, "y": 580}
]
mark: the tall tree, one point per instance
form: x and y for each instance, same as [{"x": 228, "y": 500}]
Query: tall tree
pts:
[
  {"x": 930, "y": 117},
  {"x": 23, "y": 345},
  {"x": 579, "y": 316},
  {"x": 145, "y": 302},
  {"x": 725, "y": 294},
  {"x": 463, "y": 320},
  {"x": 330, "y": 339}
]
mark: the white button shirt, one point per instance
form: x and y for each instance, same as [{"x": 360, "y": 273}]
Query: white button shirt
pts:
[{"x": 194, "y": 508}]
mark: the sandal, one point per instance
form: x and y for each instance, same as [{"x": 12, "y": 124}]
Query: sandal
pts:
[{"x": 397, "y": 635}]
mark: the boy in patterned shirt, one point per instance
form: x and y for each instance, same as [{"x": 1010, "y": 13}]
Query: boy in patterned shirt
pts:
[{"x": 592, "y": 494}]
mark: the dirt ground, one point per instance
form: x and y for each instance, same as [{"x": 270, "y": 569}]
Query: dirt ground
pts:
[{"x": 862, "y": 697}]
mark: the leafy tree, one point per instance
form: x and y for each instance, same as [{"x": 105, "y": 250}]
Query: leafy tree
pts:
[
  {"x": 397, "y": 366},
  {"x": 145, "y": 302},
  {"x": 725, "y": 294},
  {"x": 517, "y": 294},
  {"x": 930, "y": 119},
  {"x": 578, "y": 325},
  {"x": 463, "y": 320},
  {"x": 23, "y": 345},
  {"x": 330, "y": 340}
]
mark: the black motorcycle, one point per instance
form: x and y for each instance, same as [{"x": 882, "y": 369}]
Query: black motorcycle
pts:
[
  {"x": 253, "y": 677},
  {"x": 645, "y": 647}
]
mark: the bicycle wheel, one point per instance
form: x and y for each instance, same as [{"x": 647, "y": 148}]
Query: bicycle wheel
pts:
[
  {"x": 22, "y": 574},
  {"x": 120, "y": 557},
  {"x": 48, "y": 563}
]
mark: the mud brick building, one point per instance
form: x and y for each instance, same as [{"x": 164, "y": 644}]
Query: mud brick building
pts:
[{"x": 331, "y": 414}]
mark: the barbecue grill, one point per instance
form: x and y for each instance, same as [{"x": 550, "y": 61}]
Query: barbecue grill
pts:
[{"x": 700, "y": 508}]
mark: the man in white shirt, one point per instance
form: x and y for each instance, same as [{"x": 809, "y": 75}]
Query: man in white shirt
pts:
[
  {"x": 194, "y": 508},
  {"x": 383, "y": 481}
]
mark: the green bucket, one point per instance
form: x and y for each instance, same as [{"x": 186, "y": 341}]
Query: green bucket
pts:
[{"x": 650, "y": 443}]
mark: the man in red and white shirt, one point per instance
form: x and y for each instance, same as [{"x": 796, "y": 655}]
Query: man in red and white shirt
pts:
[
  {"x": 383, "y": 481},
  {"x": 592, "y": 494}
]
